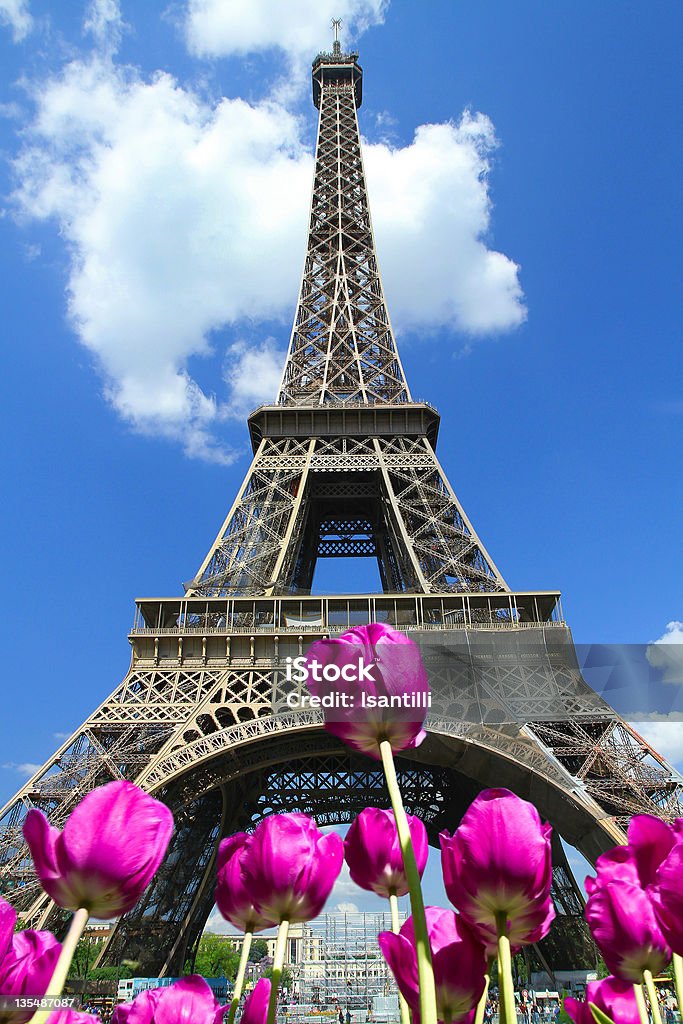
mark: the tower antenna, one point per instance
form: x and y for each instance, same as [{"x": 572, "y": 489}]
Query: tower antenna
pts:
[{"x": 336, "y": 25}]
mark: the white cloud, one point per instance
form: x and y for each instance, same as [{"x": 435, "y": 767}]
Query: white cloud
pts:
[
  {"x": 666, "y": 653},
  {"x": 104, "y": 22},
  {"x": 214, "y": 28},
  {"x": 346, "y": 908},
  {"x": 431, "y": 210},
  {"x": 180, "y": 218},
  {"x": 25, "y": 768},
  {"x": 185, "y": 218},
  {"x": 253, "y": 373},
  {"x": 666, "y": 736},
  {"x": 16, "y": 15}
]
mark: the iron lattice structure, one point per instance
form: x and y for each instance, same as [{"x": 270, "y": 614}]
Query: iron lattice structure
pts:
[{"x": 344, "y": 465}]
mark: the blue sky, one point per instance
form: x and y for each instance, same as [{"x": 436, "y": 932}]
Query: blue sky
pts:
[{"x": 524, "y": 173}]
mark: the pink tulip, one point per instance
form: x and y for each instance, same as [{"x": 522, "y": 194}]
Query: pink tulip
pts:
[
  {"x": 373, "y": 853},
  {"x": 458, "y": 959},
  {"x": 232, "y": 895},
  {"x": 26, "y": 968},
  {"x": 649, "y": 842},
  {"x": 398, "y": 688},
  {"x": 256, "y": 1007},
  {"x": 290, "y": 867},
  {"x": 614, "y": 997},
  {"x": 499, "y": 862},
  {"x": 187, "y": 1001},
  {"x": 666, "y": 894},
  {"x": 623, "y": 923},
  {"x": 110, "y": 847}
]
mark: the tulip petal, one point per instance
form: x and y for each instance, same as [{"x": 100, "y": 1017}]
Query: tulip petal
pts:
[
  {"x": 650, "y": 839},
  {"x": 667, "y": 898},
  {"x": 399, "y": 953},
  {"x": 27, "y": 967},
  {"x": 187, "y": 1001},
  {"x": 8, "y": 919},
  {"x": 233, "y": 898},
  {"x": 256, "y": 1006},
  {"x": 142, "y": 1009}
]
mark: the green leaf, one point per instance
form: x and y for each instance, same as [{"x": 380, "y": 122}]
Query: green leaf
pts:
[{"x": 598, "y": 1016}]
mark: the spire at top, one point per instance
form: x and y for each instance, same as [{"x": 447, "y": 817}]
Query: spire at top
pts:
[{"x": 336, "y": 46}]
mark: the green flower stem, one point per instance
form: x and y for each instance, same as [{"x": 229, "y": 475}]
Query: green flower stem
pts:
[
  {"x": 393, "y": 903},
  {"x": 56, "y": 984},
  {"x": 278, "y": 961},
  {"x": 425, "y": 972},
  {"x": 481, "y": 1006},
  {"x": 642, "y": 1008},
  {"x": 241, "y": 971},
  {"x": 678, "y": 978},
  {"x": 505, "y": 982},
  {"x": 652, "y": 995}
]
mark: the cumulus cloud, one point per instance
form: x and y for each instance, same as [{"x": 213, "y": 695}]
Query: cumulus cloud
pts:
[
  {"x": 185, "y": 223},
  {"x": 216, "y": 29},
  {"x": 16, "y": 15},
  {"x": 180, "y": 217},
  {"x": 666, "y": 653},
  {"x": 665, "y": 736},
  {"x": 25, "y": 768},
  {"x": 104, "y": 23},
  {"x": 431, "y": 209},
  {"x": 253, "y": 373}
]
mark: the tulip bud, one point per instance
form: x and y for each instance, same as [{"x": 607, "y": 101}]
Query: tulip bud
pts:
[
  {"x": 290, "y": 867},
  {"x": 111, "y": 846},
  {"x": 498, "y": 862},
  {"x": 232, "y": 895},
  {"x": 26, "y": 969},
  {"x": 458, "y": 959},
  {"x": 613, "y": 996},
  {"x": 380, "y": 688},
  {"x": 373, "y": 853},
  {"x": 622, "y": 921}
]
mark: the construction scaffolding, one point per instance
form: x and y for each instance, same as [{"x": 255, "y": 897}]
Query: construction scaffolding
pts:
[{"x": 342, "y": 969}]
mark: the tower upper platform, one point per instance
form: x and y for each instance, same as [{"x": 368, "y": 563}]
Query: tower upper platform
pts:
[{"x": 337, "y": 68}]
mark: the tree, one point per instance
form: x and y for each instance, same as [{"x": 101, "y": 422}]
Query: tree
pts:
[
  {"x": 87, "y": 952},
  {"x": 259, "y": 949},
  {"x": 215, "y": 958},
  {"x": 286, "y": 978}
]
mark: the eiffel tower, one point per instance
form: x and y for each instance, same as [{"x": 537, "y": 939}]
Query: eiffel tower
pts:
[{"x": 344, "y": 465}]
